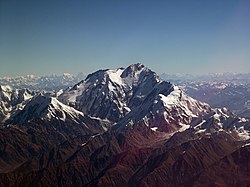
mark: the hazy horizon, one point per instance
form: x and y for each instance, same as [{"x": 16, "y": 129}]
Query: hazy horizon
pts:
[
  {"x": 185, "y": 37},
  {"x": 160, "y": 74}
]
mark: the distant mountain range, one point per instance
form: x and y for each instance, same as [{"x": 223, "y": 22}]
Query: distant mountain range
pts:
[
  {"x": 230, "y": 90},
  {"x": 48, "y": 83},
  {"x": 122, "y": 127},
  {"x": 218, "y": 90}
]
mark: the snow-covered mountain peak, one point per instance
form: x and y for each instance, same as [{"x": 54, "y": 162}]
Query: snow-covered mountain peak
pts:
[
  {"x": 5, "y": 93},
  {"x": 12, "y": 99},
  {"x": 12, "y": 94},
  {"x": 5, "y": 88},
  {"x": 133, "y": 93},
  {"x": 44, "y": 107},
  {"x": 111, "y": 94},
  {"x": 133, "y": 70},
  {"x": 138, "y": 73},
  {"x": 67, "y": 75},
  {"x": 120, "y": 76}
]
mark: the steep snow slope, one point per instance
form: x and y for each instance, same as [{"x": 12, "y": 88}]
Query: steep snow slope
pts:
[{"x": 48, "y": 108}]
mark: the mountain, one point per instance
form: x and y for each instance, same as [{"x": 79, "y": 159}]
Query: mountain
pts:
[
  {"x": 12, "y": 100},
  {"x": 43, "y": 123},
  {"x": 49, "y": 110},
  {"x": 134, "y": 94},
  {"x": 236, "y": 78},
  {"x": 166, "y": 110},
  {"x": 232, "y": 166},
  {"x": 130, "y": 158},
  {"x": 111, "y": 93},
  {"x": 218, "y": 90},
  {"x": 123, "y": 127},
  {"x": 39, "y": 83}
]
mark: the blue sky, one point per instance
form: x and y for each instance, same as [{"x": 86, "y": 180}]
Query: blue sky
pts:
[{"x": 172, "y": 36}]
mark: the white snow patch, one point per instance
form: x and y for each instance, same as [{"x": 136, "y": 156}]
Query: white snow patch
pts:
[
  {"x": 184, "y": 127},
  {"x": 154, "y": 128},
  {"x": 243, "y": 134},
  {"x": 155, "y": 101},
  {"x": 146, "y": 120},
  {"x": 216, "y": 116},
  {"x": 83, "y": 144},
  {"x": 172, "y": 98},
  {"x": 220, "y": 125},
  {"x": 200, "y": 124},
  {"x": 243, "y": 120},
  {"x": 245, "y": 144},
  {"x": 127, "y": 108},
  {"x": 111, "y": 87},
  {"x": 179, "y": 99},
  {"x": 115, "y": 76},
  {"x": 200, "y": 131}
]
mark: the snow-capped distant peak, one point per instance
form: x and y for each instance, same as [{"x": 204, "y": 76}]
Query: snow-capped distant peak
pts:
[
  {"x": 67, "y": 75},
  {"x": 5, "y": 88},
  {"x": 12, "y": 99}
]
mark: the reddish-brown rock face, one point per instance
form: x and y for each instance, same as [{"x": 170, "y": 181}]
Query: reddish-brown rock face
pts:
[
  {"x": 231, "y": 170},
  {"x": 130, "y": 158}
]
